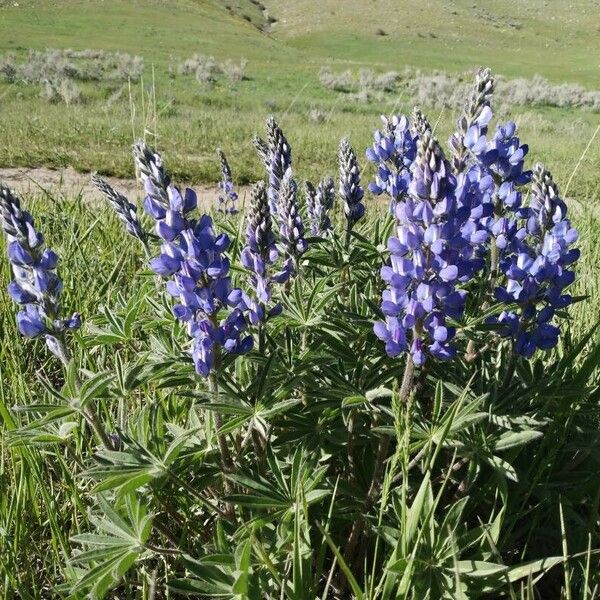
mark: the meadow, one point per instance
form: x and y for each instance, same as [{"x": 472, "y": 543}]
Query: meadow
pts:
[{"x": 136, "y": 462}]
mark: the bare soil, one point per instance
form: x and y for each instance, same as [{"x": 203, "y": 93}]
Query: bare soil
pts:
[{"x": 70, "y": 183}]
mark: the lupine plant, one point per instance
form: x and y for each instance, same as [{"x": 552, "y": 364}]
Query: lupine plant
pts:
[
  {"x": 228, "y": 197},
  {"x": 408, "y": 416},
  {"x": 319, "y": 203},
  {"x": 35, "y": 286}
]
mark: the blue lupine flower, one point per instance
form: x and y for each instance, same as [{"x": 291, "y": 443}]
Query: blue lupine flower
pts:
[
  {"x": 36, "y": 286},
  {"x": 163, "y": 202},
  {"x": 427, "y": 261},
  {"x": 126, "y": 211},
  {"x": 393, "y": 151},
  {"x": 504, "y": 154},
  {"x": 472, "y": 124},
  {"x": 350, "y": 190},
  {"x": 276, "y": 155},
  {"x": 535, "y": 264},
  {"x": 192, "y": 255},
  {"x": 260, "y": 255},
  {"x": 227, "y": 196},
  {"x": 291, "y": 228},
  {"x": 319, "y": 203},
  {"x": 201, "y": 283}
]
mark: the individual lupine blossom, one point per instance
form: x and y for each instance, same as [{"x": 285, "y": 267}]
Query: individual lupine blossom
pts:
[
  {"x": 536, "y": 269},
  {"x": 163, "y": 202},
  {"x": 276, "y": 155},
  {"x": 349, "y": 189},
  {"x": 471, "y": 126},
  {"x": 259, "y": 257},
  {"x": 36, "y": 287},
  {"x": 319, "y": 203},
  {"x": 227, "y": 196},
  {"x": 426, "y": 262},
  {"x": 125, "y": 210},
  {"x": 291, "y": 228},
  {"x": 393, "y": 152}
]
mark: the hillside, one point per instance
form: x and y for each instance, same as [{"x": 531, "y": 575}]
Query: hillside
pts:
[
  {"x": 555, "y": 38},
  {"x": 285, "y": 45}
]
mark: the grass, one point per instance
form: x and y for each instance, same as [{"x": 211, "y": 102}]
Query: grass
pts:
[{"x": 283, "y": 66}]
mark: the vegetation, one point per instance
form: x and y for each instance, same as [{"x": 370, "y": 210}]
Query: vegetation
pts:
[
  {"x": 190, "y": 120},
  {"x": 247, "y": 435}
]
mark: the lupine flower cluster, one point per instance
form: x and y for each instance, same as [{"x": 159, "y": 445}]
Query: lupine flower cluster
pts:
[
  {"x": 259, "y": 257},
  {"x": 319, "y": 203},
  {"x": 393, "y": 152},
  {"x": 227, "y": 195},
  {"x": 291, "y": 228},
  {"x": 36, "y": 287},
  {"x": 192, "y": 255},
  {"x": 426, "y": 262},
  {"x": 350, "y": 190},
  {"x": 454, "y": 219},
  {"x": 276, "y": 155},
  {"x": 125, "y": 210},
  {"x": 535, "y": 264}
]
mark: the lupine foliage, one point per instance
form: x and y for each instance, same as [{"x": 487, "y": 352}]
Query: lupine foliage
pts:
[{"x": 455, "y": 460}]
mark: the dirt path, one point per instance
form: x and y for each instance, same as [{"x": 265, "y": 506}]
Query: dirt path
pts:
[{"x": 71, "y": 183}]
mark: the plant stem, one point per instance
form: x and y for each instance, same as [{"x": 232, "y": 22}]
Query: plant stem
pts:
[
  {"x": 213, "y": 386},
  {"x": 382, "y": 451},
  {"x": 88, "y": 414}
]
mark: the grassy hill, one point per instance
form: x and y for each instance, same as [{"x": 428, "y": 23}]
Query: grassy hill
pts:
[
  {"x": 285, "y": 45},
  {"x": 550, "y": 37}
]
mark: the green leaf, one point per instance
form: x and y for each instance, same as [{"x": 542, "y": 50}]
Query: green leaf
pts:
[{"x": 516, "y": 438}]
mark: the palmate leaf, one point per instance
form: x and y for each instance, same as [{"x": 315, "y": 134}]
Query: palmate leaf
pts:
[
  {"x": 117, "y": 545},
  {"x": 206, "y": 578}
]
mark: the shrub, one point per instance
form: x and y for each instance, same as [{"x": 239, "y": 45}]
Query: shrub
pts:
[
  {"x": 340, "y": 82},
  {"x": 316, "y": 115},
  {"x": 235, "y": 71},
  {"x": 61, "y": 89}
]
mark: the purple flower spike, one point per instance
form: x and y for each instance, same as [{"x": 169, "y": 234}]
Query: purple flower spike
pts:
[
  {"x": 430, "y": 255},
  {"x": 319, "y": 203},
  {"x": 163, "y": 202},
  {"x": 227, "y": 194},
  {"x": 36, "y": 286},
  {"x": 259, "y": 255},
  {"x": 125, "y": 210},
  {"x": 471, "y": 127},
  {"x": 393, "y": 152},
  {"x": 536, "y": 264},
  {"x": 276, "y": 155},
  {"x": 291, "y": 228},
  {"x": 350, "y": 190}
]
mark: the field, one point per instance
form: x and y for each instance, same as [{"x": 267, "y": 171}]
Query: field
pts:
[
  {"x": 317, "y": 465},
  {"x": 190, "y": 121}
]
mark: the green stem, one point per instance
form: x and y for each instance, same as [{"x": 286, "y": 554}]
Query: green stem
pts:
[
  {"x": 213, "y": 386},
  {"x": 382, "y": 452},
  {"x": 88, "y": 414}
]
